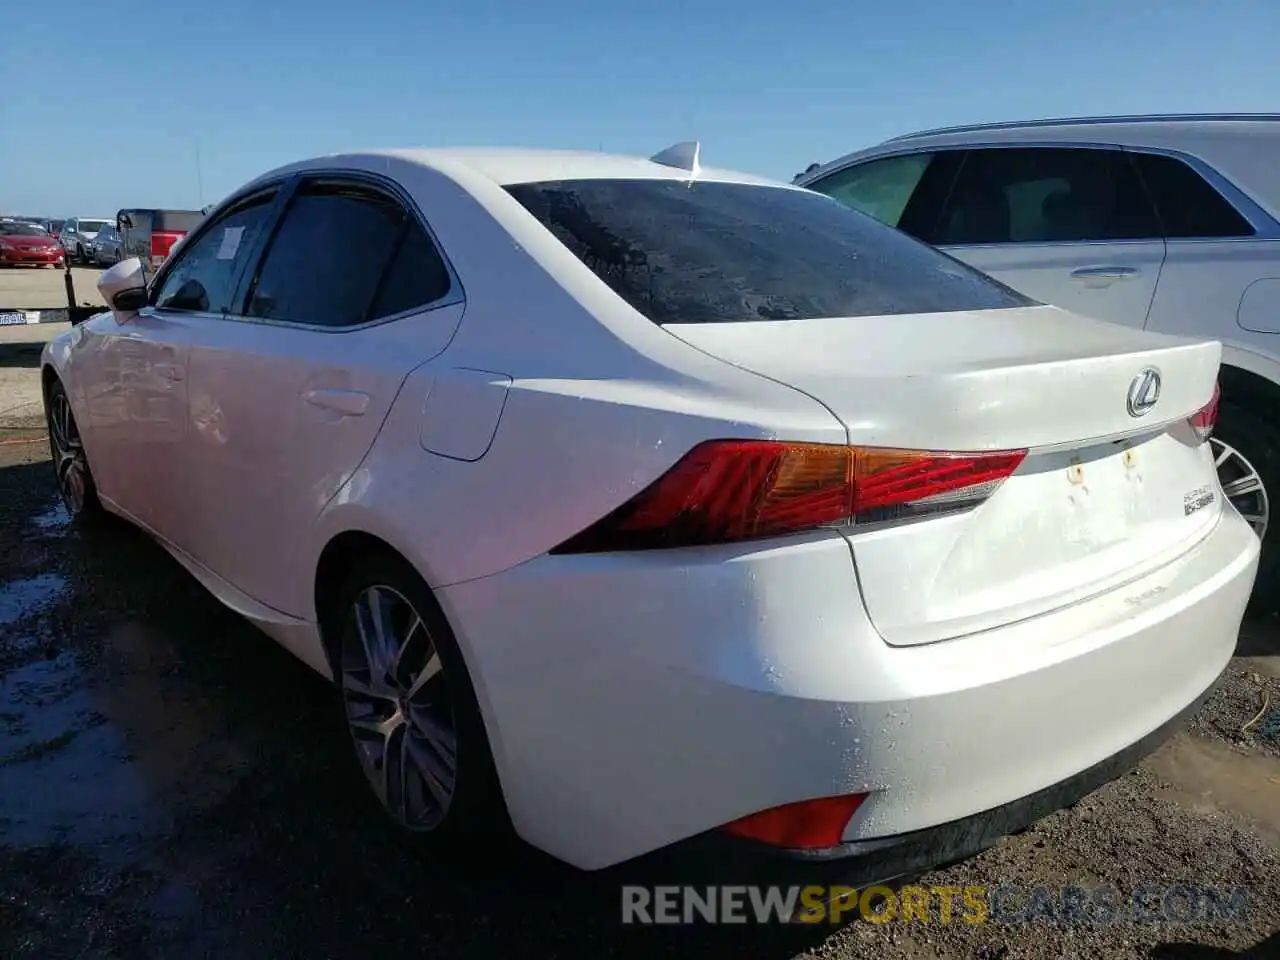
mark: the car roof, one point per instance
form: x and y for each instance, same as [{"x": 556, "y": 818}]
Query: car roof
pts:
[{"x": 507, "y": 166}]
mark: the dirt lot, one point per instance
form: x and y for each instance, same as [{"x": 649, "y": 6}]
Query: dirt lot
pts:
[
  {"x": 173, "y": 785},
  {"x": 42, "y": 288}
]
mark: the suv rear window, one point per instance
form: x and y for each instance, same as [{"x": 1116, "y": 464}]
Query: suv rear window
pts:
[{"x": 707, "y": 252}]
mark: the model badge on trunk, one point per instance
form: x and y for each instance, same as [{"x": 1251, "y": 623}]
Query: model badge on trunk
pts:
[{"x": 1197, "y": 499}]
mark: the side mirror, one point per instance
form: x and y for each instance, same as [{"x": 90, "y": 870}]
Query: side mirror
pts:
[{"x": 124, "y": 288}]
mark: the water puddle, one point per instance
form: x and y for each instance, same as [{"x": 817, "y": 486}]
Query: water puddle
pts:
[
  {"x": 111, "y": 758},
  {"x": 1210, "y": 775},
  {"x": 53, "y": 521},
  {"x": 19, "y": 599}
]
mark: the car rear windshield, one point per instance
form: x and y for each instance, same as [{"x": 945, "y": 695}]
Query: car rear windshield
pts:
[
  {"x": 707, "y": 252},
  {"x": 91, "y": 226}
]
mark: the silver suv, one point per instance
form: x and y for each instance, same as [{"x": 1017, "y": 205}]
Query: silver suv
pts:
[
  {"x": 1166, "y": 222},
  {"x": 78, "y": 235}
]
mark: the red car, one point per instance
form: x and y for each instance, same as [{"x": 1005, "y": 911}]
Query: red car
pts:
[{"x": 25, "y": 243}]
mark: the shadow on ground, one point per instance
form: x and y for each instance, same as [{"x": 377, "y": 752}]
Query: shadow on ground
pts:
[{"x": 20, "y": 354}]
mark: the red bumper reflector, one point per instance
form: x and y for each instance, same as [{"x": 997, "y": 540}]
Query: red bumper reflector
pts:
[{"x": 806, "y": 825}]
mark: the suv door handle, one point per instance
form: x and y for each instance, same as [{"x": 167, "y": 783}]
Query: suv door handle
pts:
[
  {"x": 1104, "y": 273},
  {"x": 348, "y": 403}
]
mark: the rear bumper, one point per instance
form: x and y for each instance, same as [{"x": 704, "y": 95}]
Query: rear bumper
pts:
[
  {"x": 639, "y": 701},
  {"x": 714, "y": 858}
]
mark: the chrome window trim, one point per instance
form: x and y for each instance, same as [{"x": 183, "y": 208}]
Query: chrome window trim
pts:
[
  {"x": 455, "y": 295},
  {"x": 1266, "y": 227}
]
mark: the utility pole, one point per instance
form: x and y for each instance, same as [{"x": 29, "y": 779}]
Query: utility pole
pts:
[{"x": 199, "y": 174}]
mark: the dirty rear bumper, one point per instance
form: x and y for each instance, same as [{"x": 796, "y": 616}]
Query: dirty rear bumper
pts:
[{"x": 717, "y": 859}]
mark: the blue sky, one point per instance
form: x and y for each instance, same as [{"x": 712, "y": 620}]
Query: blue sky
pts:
[{"x": 102, "y": 105}]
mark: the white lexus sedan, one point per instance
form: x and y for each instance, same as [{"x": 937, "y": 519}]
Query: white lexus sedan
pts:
[{"x": 649, "y": 508}]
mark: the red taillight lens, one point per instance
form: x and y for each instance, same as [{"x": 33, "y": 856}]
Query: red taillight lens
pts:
[
  {"x": 807, "y": 825},
  {"x": 162, "y": 242},
  {"x": 724, "y": 491},
  {"x": 1203, "y": 420}
]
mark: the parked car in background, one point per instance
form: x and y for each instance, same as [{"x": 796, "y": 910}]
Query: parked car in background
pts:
[
  {"x": 78, "y": 234},
  {"x": 54, "y": 227},
  {"x": 150, "y": 234},
  {"x": 1171, "y": 223},
  {"x": 106, "y": 248},
  {"x": 898, "y": 559},
  {"x": 26, "y": 244}
]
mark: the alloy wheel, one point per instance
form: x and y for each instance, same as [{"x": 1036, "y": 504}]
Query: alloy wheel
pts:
[
  {"x": 69, "y": 462},
  {"x": 1242, "y": 485},
  {"x": 398, "y": 709}
]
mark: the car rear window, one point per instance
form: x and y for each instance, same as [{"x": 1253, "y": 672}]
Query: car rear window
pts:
[
  {"x": 91, "y": 226},
  {"x": 707, "y": 252}
]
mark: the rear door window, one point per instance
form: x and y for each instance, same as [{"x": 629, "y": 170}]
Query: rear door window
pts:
[
  {"x": 1189, "y": 206},
  {"x": 1047, "y": 195},
  {"x": 204, "y": 274},
  {"x": 346, "y": 253},
  {"x": 707, "y": 252}
]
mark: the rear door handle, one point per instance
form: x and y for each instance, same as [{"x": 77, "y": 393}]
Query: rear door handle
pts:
[
  {"x": 348, "y": 403},
  {"x": 1104, "y": 273}
]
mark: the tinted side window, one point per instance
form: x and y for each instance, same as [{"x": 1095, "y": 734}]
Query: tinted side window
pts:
[
  {"x": 204, "y": 273},
  {"x": 1188, "y": 205},
  {"x": 878, "y": 188},
  {"x": 1047, "y": 195},
  {"x": 336, "y": 244},
  {"x": 416, "y": 276},
  {"x": 708, "y": 252}
]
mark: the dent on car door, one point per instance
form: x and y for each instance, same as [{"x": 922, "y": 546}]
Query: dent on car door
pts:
[
  {"x": 349, "y": 296},
  {"x": 1071, "y": 226},
  {"x": 151, "y": 356}
]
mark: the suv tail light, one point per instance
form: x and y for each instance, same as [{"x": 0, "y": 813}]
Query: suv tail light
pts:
[
  {"x": 1203, "y": 420},
  {"x": 162, "y": 242},
  {"x": 725, "y": 491}
]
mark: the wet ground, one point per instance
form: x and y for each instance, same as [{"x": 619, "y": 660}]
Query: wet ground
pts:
[{"x": 174, "y": 785}]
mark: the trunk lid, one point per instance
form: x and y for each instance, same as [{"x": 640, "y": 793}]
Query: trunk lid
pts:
[{"x": 1103, "y": 497}]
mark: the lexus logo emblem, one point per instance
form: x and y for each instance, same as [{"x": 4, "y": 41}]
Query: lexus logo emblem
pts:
[{"x": 1144, "y": 392}]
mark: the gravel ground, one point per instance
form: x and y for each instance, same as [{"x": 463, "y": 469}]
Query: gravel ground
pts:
[{"x": 173, "y": 785}]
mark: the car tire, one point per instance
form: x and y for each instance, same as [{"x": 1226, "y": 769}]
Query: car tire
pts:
[
  {"x": 399, "y": 723},
  {"x": 71, "y": 469},
  {"x": 1246, "y": 446}
]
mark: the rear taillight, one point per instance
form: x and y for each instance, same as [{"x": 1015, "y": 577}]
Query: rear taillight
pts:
[
  {"x": 162, "y": 242},
  {"x": 724, "y": 491},
  {"x": 1202, "y": 420}
]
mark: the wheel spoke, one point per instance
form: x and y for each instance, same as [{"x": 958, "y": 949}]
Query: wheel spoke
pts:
[
  {"x": 375, "y": 631},
  {"x": 430, "y": 670},
  {"x": 369, "y": 691},
  {"x": 1242, "y": 486},
  {"x": 436, "y": 775},
  {"x": 393, "y": 771},
  {"x": 1224, "y": 454},
  {"x": 383, "y": 727},
  {"x": 402, "y": 651}
]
